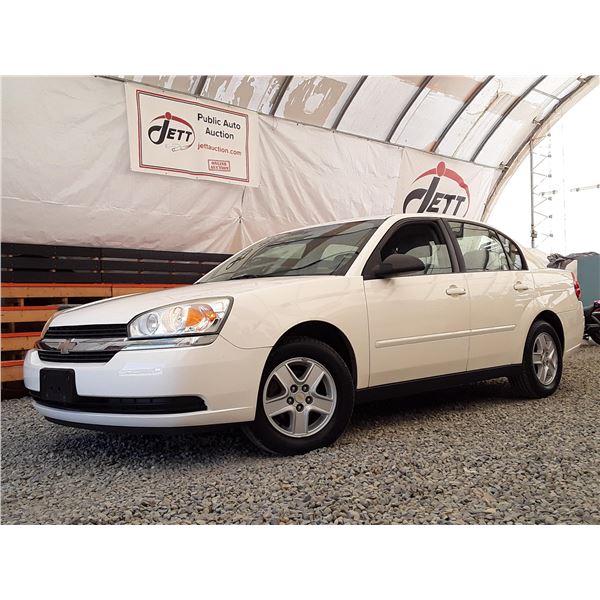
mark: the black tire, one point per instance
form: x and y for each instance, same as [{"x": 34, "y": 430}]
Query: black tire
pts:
[
  {"x": 526, "y": 383},
  {"x": 264, "y": 434},
  {"x": 595, "y": 336}
]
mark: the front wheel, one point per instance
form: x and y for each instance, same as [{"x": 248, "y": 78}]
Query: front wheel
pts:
[
  {"x": 305, "y": 399},
  {"x": 542, "y": 363},
  {"x": 595, "y": 336}
]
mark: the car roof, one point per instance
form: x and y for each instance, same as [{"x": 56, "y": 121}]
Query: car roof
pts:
[{"x": 383, "y": 219}]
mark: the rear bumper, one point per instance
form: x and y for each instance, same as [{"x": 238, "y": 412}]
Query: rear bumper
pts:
[
  {"x": 224, "y": 377},
  {"x": 573, "y": 325}
]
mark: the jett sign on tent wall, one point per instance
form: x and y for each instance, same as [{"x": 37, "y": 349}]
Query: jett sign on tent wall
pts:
[
  {"x": 429, "y": 183},
  {"x": 172, "y": 134}
]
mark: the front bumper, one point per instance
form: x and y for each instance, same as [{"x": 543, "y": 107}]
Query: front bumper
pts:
[{"x": 224, "y": 376}]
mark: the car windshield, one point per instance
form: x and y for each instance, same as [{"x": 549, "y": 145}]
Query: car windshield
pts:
[{"x": 324, "y": 250}]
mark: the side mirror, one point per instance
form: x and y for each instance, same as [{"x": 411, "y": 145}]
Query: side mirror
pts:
[{"x": 395, "y": 264}]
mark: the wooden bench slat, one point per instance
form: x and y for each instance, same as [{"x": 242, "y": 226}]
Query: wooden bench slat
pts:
[
  {"x": 149, "y": 266},
  {"x": 26, "y": 316},
  {"x": 19, "y": 341},
  {"x": 124, "y": 289},
  {"x": 11, "y": 370},
  {"x": 26, "y": 308},
  {"x": 56, "y": 291},
  {"x": 19, "y": 334},
  {"x": 43, "y": 264},
  {"x": 156, "y": 286}
]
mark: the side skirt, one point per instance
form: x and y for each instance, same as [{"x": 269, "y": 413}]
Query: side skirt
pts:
[{"x": 417, "y": 386}]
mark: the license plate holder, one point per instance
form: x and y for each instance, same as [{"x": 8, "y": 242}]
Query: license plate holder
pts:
[{"x": 57, "y": 385}]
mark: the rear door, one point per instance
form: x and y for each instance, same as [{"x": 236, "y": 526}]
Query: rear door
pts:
[
  {"x": 418, "y": 323},
  {"x": 500, "y": 290}
]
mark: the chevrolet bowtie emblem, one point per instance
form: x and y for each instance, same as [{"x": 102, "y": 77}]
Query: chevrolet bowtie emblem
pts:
[{"x": 66, "y": 346}]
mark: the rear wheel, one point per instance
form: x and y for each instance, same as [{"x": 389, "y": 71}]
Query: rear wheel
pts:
[
  {"x": 595, "y": 335},
  {"x": 305, "y": 399},
  {"x": 542, "y": 363}
]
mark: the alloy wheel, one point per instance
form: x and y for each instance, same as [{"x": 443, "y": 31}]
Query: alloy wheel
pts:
[
  {"x": 299, "y": 397},
  {"x": 545, "y": 358}
]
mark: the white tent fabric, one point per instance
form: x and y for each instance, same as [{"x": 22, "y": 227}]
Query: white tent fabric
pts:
[
  {"x": 311, "y": 176},
  {"x": 67, "y": 178},
  {"x": 67, "y": 181}
]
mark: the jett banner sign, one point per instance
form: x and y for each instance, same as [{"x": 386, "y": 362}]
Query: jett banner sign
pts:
[
  {"x": 433, "y": 184},
  {"x": 173, "y": 134}
]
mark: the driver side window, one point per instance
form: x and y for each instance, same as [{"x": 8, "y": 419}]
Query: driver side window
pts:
[{"x": 423, "y": 241}]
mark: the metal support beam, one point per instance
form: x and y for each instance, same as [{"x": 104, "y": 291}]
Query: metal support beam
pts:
[
  {"x": 532, "y": 195},
  {"x": 519, "y": 154},
  {"x": 552, "y": 96},
  {"x": 461, "y": 110},
  {"x": 280, "y": 93},
  {"x": 504, "y": 116},
  {"x": 348, "y": 102},
  {"x": 408, "y": 107},
  {"x": 200, "y": 86},
  {"x": 585, "y": 188},
  {"x": 541, "y": 201}
]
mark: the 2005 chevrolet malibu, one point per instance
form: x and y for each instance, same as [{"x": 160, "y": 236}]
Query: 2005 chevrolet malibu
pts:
[{"x": 288, "y": 334}]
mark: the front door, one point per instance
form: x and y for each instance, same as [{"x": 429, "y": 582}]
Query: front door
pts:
[{"x": 418, "y": 323}]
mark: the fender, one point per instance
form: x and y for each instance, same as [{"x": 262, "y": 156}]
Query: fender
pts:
[
  {"x": 259, "y": 320},
  {"x": 555, "y": 294}
]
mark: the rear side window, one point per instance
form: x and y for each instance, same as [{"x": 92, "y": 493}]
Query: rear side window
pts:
[
  {"x": 512, "y": 252},
  {"x": 480, "y": 247},
  {"x": 423, "y": 241}
]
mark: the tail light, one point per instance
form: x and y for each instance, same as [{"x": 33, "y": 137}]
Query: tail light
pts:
[{"x": 576, "y": 285}]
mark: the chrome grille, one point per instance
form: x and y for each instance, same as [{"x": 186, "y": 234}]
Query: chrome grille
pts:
[
  {"x": 76, "y": 357},
  {"x": 87, "y": 332}
]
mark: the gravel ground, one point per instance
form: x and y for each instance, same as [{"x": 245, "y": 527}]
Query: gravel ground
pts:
[{"x": 475, "y": 454}]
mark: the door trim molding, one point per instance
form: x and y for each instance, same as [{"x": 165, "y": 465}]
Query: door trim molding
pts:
[{"x": 434, "y": 337}]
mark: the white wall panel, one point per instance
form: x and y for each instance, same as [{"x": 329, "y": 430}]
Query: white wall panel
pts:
[
  {"x": 377, "y": 106},
  {"x": 436, "y": 105},
  {"x": 315, "y": 100},
  {"x": 66, "y": 176},
  {"x": 248, "y": 91},
  {"x": 312, "y": 175},
  {"x": 514, "y": 129}
]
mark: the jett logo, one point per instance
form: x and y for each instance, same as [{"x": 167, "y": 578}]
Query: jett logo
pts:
[
  {"x": 447, "y": 193},
  {"x": 177, "y": 133}
]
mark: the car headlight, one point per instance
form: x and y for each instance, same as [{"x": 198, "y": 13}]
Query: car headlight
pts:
[{"x": 186, "y": 318}]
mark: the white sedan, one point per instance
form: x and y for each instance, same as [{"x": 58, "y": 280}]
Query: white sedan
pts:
[{"x": 288, "y": 334}]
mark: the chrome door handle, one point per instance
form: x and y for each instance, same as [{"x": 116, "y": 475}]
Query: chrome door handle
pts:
[
  {"x": 454, "y": 290},
  {"x": 520, "y": 286}
]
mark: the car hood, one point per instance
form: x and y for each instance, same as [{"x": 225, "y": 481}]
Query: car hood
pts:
[{"x": 125, "y": 308}]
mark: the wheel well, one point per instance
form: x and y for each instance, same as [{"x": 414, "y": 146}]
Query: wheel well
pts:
[
  {"x": 328, "y": 334},
  {"x": 554, "y": 320}
]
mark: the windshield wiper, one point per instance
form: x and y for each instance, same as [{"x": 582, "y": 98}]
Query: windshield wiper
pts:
[{"x": 243, "y": 276}]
